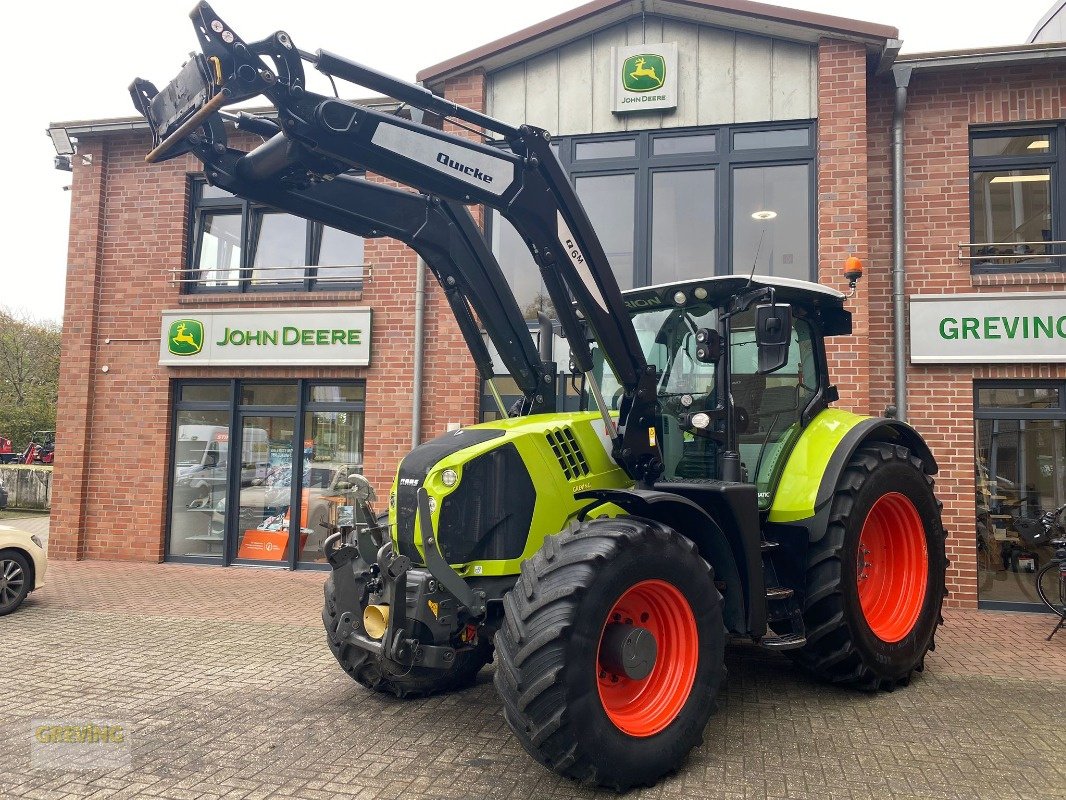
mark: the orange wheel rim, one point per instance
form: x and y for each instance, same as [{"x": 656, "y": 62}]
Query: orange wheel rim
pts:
[
  {"x": 892, "y": 567},
  {"x": 645, "y": 707}
]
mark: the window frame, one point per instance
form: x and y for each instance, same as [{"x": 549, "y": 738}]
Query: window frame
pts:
[
  {"x": 192, "y": 281},
  {"x": 1009, "y": 414},
  {"x": 722, "y": 161},
  {"x": 235, "y": 411},
  {"x": 1017, "y": 412},
  {"x": 1054, "y": 161}
]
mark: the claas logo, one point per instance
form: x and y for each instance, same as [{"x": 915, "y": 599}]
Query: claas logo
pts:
[
  {"x": 186, "y": 337},
  {"x": 643, "y": 73}
]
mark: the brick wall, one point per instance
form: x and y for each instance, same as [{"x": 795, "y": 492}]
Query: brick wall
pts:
[
  {"x": 453, "y": 387},
  {"x": 111, "y": 475},
  {"x": 128, "y": 231},
  {"x": 940, "y": 110},
  {"x": 842, "y": 209}
]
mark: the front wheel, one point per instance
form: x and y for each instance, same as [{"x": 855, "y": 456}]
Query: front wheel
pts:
[
  {"x": 875, "y": 579},
  {"x": 14, "y": 580},
  {"x": 1051, "y": 586},
  {"x": 611, "y": 652}
]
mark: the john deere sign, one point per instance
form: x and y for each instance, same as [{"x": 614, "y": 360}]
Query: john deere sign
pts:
[
  {"x": 297, "y": 336},
  {"x": 186, "y": 337},
  {"x": 1009, "y": 328},
  {"x": 645, "y": 77}
]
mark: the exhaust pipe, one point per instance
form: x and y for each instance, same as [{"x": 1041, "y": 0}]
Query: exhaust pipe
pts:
[{"x": 376, "y": 620}]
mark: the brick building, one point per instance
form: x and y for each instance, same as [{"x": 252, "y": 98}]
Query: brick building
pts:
[{"x": 772, "y": 147}]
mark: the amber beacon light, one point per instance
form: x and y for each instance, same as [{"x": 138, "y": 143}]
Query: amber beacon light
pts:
[{"x": 853, "y": 272}]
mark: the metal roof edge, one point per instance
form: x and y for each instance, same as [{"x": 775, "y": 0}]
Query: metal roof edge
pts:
[
  {"x": 609, "y": 12},
  {"x": 1009, "y": 55}
]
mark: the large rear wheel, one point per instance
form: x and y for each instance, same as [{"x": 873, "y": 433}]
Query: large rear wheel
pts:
[
  {"x": 611, "y": 652},
  {"x": 875, "y": 580}
]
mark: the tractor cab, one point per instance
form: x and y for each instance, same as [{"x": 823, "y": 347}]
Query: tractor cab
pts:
[{"x": 683, "y": 329}]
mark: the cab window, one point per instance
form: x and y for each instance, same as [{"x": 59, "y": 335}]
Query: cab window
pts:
[{"x": 770, "y": 407}]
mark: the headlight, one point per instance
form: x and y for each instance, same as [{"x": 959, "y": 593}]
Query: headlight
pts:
[
  {"x": 37, "y": 541},
  {"x": 450, "y": 477},
  {"x": 700, "y": 420},
  {"x": 432, "y": 505}
]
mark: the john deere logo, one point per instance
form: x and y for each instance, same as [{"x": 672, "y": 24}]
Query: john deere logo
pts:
[
  {"x": 186, "y": 337},
  {"x": 643, "y": 73}
]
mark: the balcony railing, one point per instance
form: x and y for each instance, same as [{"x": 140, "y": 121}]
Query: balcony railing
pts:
[
  {"x": 1011, "y": 252},
  {"x": 261, "y": 277}
]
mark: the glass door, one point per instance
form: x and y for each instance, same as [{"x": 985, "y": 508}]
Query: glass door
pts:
[
  {"x": 1020, "y": 475},
  {"x": 261, "y": 520}
]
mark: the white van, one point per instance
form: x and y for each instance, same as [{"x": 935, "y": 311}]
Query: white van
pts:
[{"x": 201, "y": 460}]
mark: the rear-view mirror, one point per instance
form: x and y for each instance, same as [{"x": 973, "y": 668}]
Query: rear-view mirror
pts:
[{"x": 773, "y": 333}]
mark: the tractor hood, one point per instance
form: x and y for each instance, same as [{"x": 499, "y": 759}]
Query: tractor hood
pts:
[{"x": 497, "y": 471}]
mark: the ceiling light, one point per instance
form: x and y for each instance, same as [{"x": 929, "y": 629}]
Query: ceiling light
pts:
[
  {"x": 1021, "y": 178},
  {"x": 1039, "y": 144},
  {"x": 761, "y": 215}
]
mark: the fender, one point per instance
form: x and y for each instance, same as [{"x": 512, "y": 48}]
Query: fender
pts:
[
  {"x": 692, "y": 522},
  {"x": 823, "y": 452}
]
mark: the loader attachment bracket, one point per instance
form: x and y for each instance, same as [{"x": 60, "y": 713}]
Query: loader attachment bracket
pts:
[{"x": 228, "y": 71}]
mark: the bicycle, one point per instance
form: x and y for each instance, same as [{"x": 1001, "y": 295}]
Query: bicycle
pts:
[{"x": 1050, "y": 578}]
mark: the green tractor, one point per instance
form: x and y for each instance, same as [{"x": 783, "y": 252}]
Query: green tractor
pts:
[{"x": 604, "y": 556}]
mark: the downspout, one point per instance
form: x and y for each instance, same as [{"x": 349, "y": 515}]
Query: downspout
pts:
[
  {"x": 419, "y": 340},
  {"x": 902, "y": 76}
]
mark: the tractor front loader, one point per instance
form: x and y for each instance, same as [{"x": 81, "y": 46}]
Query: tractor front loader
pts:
[{"x": 604, "y": 555}]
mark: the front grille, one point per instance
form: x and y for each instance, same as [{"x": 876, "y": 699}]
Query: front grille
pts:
[
  {"x": 564, "y": 444},
  {"x": 414, "y": 468},
  {"x": 488, "y": 515}
]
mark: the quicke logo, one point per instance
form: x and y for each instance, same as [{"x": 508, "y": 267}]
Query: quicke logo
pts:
[
  {"x": 458, "y": 166},
  {"x": 645, "y": 72},
  {"x": 186, "y": 337}
]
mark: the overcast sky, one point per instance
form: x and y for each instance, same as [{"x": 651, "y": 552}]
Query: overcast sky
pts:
[{"x": 74, "y": 60}]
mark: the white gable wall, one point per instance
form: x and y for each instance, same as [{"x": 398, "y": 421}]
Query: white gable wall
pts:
[{"x": 724, "y": 77}]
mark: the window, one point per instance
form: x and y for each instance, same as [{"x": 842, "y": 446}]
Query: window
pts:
[
  {"x": 772, "y": 220},
  {"x": 682, "y": 223},
  {"x": 250, "y": 458},
  {"x": 1017, "y": 217},
  {"x": 1020, "y": 433},
  {"x": 609, "y": 201},
  {"x": 237, "y": 245},
  {"x": 676, "y": 204},
  {"x": 774, "y": 403}
]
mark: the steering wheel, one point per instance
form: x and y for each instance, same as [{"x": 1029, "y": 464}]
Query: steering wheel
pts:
[{"x": 617, "y": 399}]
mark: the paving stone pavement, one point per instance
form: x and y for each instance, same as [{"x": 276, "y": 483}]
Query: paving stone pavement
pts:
[{"x": 227, "y": 690}]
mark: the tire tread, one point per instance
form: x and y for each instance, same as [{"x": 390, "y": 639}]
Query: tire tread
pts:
[
  {"x": 531, "y": 643},
  {"x": 830, "y": 653}
]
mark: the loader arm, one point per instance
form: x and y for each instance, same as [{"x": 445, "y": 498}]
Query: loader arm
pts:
[
  {"x": 322, "y": 137},
  {"x": 442, "y": 232}
]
